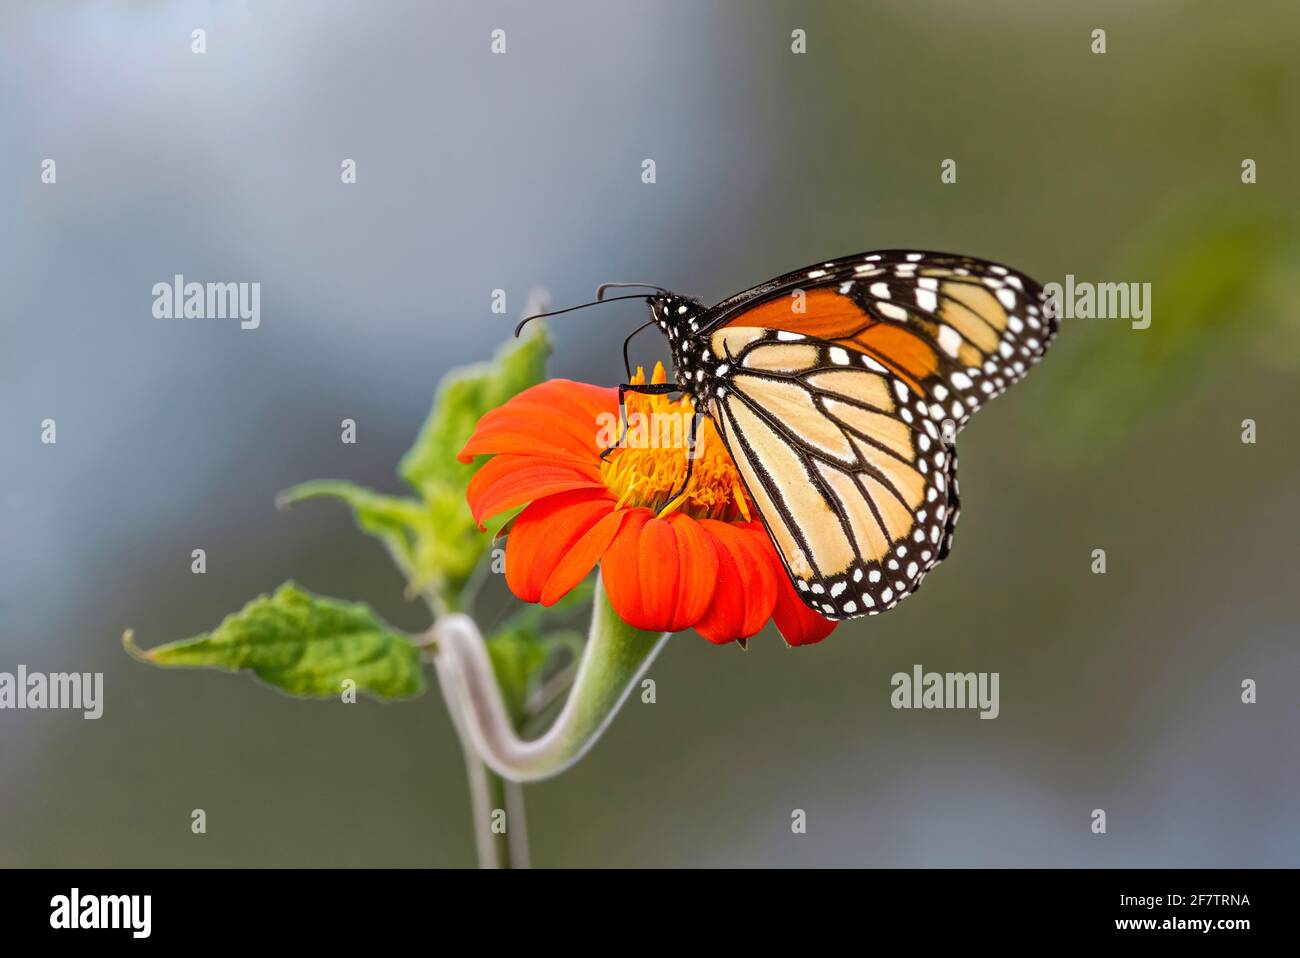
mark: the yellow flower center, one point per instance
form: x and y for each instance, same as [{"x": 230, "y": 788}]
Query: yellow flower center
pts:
[{"x": 649, "y": 466}]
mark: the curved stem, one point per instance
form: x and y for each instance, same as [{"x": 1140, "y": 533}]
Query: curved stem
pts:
[
  {"x": 484, "y": 784},
  {"x": 613, "y": 660}
]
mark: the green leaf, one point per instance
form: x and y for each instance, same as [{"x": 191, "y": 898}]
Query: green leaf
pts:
[
  {"x": 304, "y": 644},
  {"x": 464, "y": 395}
]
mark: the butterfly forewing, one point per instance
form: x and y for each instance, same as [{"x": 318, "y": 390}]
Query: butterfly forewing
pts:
[{"x": 958, "y": 330}]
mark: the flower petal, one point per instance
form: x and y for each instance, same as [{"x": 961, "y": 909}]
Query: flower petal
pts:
[
  {"x": 582, "y": 557},
  {"x": 657, "y": 559},
  {"x": 544, "y": 532},
  {"x": 697, "y": 570},
  {"x": 660, "y": 573},
  {"x": 620, "y": 568},
  {"x": 798, "y": 624},
  {"x": 559, "y": 419},
  {"x": 507, "y": 481},
  {"x": 520, "y": 432},
  {"x": 746, "y": 582}
]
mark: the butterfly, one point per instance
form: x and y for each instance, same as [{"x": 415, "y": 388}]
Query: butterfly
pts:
[{"x": 839, "y": 390}]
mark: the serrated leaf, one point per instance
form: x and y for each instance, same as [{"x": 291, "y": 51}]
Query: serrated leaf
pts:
[{"x": 306, "y": 645}]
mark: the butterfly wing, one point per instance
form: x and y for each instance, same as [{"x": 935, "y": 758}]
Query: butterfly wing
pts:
[
  {"x": 842, "y": 388},
  {"x": 958, "y": 330},
  {"x": 844, "y": 462}
]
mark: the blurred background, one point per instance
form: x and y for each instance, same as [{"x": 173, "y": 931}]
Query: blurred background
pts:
[{"x": 475, "y": 172}]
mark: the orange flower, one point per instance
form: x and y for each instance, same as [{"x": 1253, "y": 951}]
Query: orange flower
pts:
[{"x": 699, "y": 561}]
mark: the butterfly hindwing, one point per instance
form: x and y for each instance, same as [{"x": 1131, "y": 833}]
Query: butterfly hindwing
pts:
[{"x": 843, "y": 460}]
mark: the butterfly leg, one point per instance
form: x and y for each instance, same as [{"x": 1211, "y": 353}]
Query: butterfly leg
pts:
[
  {"x": 691, "y": 447},
  {"x": 647, "y": 389},
  {"x": 627, "y": 360}
]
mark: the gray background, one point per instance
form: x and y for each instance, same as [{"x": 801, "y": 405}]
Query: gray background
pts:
[{"x": 478, "y": 171}]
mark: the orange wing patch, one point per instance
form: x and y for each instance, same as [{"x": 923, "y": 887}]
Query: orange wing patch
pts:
[
  {"x": 838, "y": 319},
  {"x": 907, "y": 354},
  {"x": 826, "y": 315}
]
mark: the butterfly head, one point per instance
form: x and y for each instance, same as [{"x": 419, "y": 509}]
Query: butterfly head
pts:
[{"x": 679, "y": 319}]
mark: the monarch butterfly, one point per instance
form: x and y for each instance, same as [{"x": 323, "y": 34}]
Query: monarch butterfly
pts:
[{"x": 839, "y": 390}]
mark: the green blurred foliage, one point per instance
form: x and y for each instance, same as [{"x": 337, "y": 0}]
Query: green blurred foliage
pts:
[
  {"x": 1220, "y": 290},
  {"x": 516, "y": 657}
]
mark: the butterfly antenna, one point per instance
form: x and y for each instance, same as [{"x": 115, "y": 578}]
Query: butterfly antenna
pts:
[
  {"x": 556, "y": 312},
  {"x": 600, "y": 290}
]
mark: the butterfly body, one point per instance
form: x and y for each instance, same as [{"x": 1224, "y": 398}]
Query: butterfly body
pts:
[
  {"x": 839, "y": 390},
  {"x": 678, "y": 318}
]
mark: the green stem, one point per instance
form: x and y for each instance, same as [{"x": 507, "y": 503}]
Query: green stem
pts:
[
  {"x": 485, "y": 790},
  {"x": 505, "y": 831},
  {"x": 494, "y": 801},
  {"x": 614, "y": 659}
]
